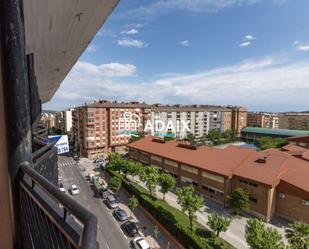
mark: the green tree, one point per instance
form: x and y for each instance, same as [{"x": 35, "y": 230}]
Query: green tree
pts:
[
  {"x": 134, "y": 168},
  {"x": 133, "y": 203},
  {"x": 269, "y": 142},
  {"x": 229, "y": 134},
  {"x": 137, "y": 137},
  {"x": 218, "y": 223},
  {"x": 167, "y": 183},
  {"x": 115, "y": 162},
  {"x": 239, "y": 200},
  {"x": 260, "y": 237},
  {"x": 150, "y": 176},
  {"x": 214, "y": 136},
  {"x": 298, "y": 235},
  {"x": 189, "y": 202},
  {"x": 124, "y": 167},
  {"x": 114, "y": 183},
  {"x": 191, "y": 138}
]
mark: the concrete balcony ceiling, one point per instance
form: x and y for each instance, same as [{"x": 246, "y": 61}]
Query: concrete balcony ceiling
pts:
[{"x": 57, "y": 33}]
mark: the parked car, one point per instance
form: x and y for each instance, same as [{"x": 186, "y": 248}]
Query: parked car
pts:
[
  {"x": 105, "y": 193},
  {"x": 140, "y": 243},
  {"x": 111, "y": 201},
  {"x": 61, "y": 187},
  {"x": 130, "y": 228},
  {"x": 120, "y": 214},
  {"x": 74, "y": 190},
  {"x": 99, "y": 159}
]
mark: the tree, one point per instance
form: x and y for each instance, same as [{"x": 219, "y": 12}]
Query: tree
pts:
[
  {"x": 167, "y": 183},
  {"x": 239, "y": 200},
  {"x": 136, "y": 137},
  {"x": 229, "y": 134},
  {"x": 134, "y": 168},
  {"x": 218, "y": 223},
  {"x": 260, "y": 237},
  {"x": 189, "y": 202},
  {"x": 191, "y": 138},
  {"x": 269, "y": 142},
  {"x": 214, "y": 136},
  {"x": 114, "y": 183},
  {"x": 150, "y": 176},
  {"x": 115, "y": 162},
  {"x": 298, "y": 235},
  {"x": 124, "y": 167},
  {"x": 133, "y": 203}
]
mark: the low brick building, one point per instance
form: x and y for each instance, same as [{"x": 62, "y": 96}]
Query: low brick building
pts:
[{"x": 277, "y": 180}]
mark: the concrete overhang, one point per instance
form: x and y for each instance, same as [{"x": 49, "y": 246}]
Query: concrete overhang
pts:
[{"x": 57, "y": 33}]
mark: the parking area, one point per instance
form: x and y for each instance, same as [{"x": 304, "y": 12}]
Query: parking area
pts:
[{"x": 108, "y": 226}]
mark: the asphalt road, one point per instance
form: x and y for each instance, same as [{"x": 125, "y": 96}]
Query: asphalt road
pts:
[{"x": 110, "y": 235}]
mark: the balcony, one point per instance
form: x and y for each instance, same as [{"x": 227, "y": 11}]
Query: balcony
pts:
[{"x": 50, "y": 218}]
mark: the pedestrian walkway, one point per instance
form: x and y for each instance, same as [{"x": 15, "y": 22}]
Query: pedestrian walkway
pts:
[{"x": 236, "y": 232}]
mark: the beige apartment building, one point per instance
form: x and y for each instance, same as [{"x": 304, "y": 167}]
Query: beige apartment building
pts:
[
  {"x": 64, "y": 120},
  {"x": 48, "y": 119},
  {"x": 263, "y": 120},
  {"x": 294, "y": 121},
  {"x": 200, "y": 118},
  {"x": 101, "y": 127}
]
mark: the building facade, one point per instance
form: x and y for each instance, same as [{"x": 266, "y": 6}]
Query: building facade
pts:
[
  {"x": 64, "y": 120},
  {"x": 263, "y": 120},
  {"x": 48, "y": 119},
  {"x": 200, "y": 119},
  {"x": 296, "y": 121},
  {"x": 276, "y": 180},
  {"x": 98, "y": 127}
]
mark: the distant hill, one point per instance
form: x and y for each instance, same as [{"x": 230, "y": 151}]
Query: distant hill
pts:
[{"x": 49, "y": 111}]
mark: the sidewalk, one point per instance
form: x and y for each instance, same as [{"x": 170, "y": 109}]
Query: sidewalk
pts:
[{"x": 236, "y": 232}]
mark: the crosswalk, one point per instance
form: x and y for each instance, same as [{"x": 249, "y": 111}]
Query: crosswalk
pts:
[{"x": 67, "y": 163}]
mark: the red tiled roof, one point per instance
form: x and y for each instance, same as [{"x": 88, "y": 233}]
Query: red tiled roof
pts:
[
  {"x": 267, "y": 167},
  {"x": 300, "y": 139},
  {"x": 220, "y": 161},
  {"x": 293, "y": 148}
]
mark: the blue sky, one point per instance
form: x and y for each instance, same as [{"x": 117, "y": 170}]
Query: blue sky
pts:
[{"x": 242, "y": 52}]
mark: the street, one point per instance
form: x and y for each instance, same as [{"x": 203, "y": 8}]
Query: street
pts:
[{"x": 109, "y": 235}]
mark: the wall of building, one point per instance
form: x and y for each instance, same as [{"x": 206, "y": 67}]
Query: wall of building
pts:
[{"x": 294, "y": 121}]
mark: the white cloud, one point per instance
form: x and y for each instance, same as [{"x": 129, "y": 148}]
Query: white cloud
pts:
[
  {"x": 106, "y": 33},
  {"x": 245, "y": 44},
  {"x": 301, "y": 46},
  {"x": 247, "y": 41},
  {"x": 130, "y": 32},
  {"x": 134, "y": 25},
  {"x": 261, "y": 84},
  {"x": 105, "y": 70},
  {"x": 91, "y": 48},
  {"x": 128, "y": 42},
  {"x": 185, "y": 43}
]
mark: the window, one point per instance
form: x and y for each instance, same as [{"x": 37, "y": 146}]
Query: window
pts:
[
  {"x": 305, "y": 202},
  {"x": 171, "y": 163},
  {"x": 248, "y": 183},
  {"x": 156, "y": 158},
  {"x": 213, "y": 191},
  {"x": 252, "y": 199},
  {"x": 213, "y": 177},
  {"x": 282, "y": 195},
  {"x": 189, "y": 169}
]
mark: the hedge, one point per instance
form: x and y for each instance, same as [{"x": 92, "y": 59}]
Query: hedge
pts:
[{"x": 174, "y": 220}]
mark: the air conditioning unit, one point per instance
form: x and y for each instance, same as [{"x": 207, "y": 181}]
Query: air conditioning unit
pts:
[
  {"x": 305, "y": 202},
  {"x": 281, "y": 195}
]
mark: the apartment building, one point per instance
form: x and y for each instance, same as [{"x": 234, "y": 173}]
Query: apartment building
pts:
[
  {"x": 295, "y": 120},
  {"x": 238, "y": 118},
  {"x": 64, "y": 120},
  {"x": 48, "y": 119},
  {"x": 103, "y": 126},
  {"x": 263, "y": 120},
  {"x": 277, "y": 180},
  {"x": 200, "y": 119}
]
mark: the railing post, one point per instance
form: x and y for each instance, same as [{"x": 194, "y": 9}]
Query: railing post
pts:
[{"x": 16, "y": 99}]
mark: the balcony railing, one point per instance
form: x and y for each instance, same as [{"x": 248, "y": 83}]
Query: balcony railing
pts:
[{"x": 50, "y": 219}]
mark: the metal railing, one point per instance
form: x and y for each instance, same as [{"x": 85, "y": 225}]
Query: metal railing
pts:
[{"x": 50, "y": 219}]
